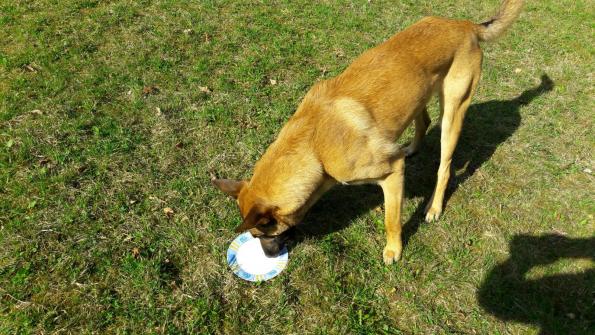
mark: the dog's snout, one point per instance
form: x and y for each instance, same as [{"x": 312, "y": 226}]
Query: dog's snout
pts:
[{"x": 271, "y": 245}]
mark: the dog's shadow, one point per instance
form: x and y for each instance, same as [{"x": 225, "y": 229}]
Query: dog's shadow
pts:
[
  {"x": 559, "y": 303},
  {"x": 486, "y": 126}
]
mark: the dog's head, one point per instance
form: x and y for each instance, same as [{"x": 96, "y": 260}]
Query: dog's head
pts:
[{"x": 261, "y": 219}]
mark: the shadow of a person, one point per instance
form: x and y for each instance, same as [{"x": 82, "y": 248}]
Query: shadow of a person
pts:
[
  {"x": 559, "y": 304},
  {"x": 487, "y": 125}
]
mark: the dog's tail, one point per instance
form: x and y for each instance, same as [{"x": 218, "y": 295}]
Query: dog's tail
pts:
[{"x": 497, "y": 25}]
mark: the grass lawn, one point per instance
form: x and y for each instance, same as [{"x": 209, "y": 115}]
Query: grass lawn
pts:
[{"x": 113, "y": 111}]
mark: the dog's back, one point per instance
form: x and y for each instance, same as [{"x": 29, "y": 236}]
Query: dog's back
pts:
[
  {"x": 397, "y": 78},
  {"x": 345, "y": 128},
  {"x": 357, "y": 116}
]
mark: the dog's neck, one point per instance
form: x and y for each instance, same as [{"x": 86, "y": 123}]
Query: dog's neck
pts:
[{"x": 289, "y": 174}]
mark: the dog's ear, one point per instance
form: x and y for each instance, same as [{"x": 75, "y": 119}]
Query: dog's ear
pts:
[
  {"x": 258, "y": 215},
  {"x": 229, "y": 187}
]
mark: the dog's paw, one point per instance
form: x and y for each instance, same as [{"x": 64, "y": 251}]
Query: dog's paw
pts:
[
  {"x": 432, "y": 214},
  {"x": 391, "y": 254}
]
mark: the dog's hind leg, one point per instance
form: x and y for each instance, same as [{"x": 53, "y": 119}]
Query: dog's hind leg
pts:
[
  {"x": 392, "y": 187},
  {"x": 422, "y": 121},
  {"x": 457, "y": 89}
]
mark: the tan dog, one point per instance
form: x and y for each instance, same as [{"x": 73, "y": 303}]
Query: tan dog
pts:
[{"x": 345, "y": 129}]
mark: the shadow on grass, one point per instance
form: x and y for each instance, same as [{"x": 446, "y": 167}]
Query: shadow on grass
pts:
[
  {"x": 338, "y": 208},
  {"x": 558, "y": 304},
  {"x": 487, "y": 125}
]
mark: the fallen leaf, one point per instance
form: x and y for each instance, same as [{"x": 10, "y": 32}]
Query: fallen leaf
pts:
[
  {"x": 273, "y": 82},
  {"x": 158, "y": 111},
  {"x": 587, "y": 170},
  {"x": 559, "y": 232},
  {"x": 135, "y": 252},
  {"x": 23, "y": 304},
  {"x": 151, "y": 89},
  {"x": 518, "y": 70},
  {"x": 168, "y": 211},
  {"x": 30, "y": 68},
  {"x": 179, "y": 145},
  {"x": 204, "y": 89},
  {"x": 36, "y": 112}
]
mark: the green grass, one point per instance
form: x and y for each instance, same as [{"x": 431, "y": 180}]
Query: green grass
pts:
[{"x": 90, "y": 157}]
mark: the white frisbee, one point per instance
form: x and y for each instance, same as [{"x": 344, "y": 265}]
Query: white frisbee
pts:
[{"x": 248, "y": 261}]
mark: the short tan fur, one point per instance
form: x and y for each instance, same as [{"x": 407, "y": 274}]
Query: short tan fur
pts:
[{"x": 345, "y": 129}]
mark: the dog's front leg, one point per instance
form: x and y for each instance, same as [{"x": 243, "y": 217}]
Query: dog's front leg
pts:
[{"x": 392, "y": 187}]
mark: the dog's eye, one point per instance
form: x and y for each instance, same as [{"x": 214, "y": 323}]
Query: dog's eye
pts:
[
  {"x": 271, "y": 222},
  {"x": 267, "y": 226}
]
